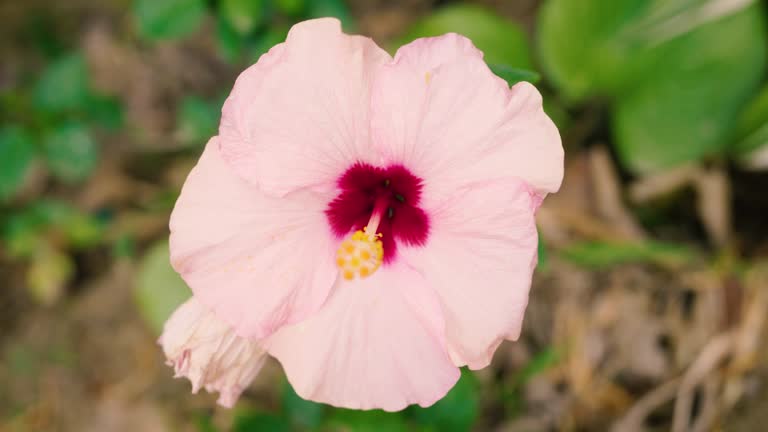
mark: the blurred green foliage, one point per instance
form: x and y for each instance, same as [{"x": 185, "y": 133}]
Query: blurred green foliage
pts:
[
  {"x": 675, "y": 81},
  {"x": 70, "y": 152},
  {"x": 502, "y": 41},
  {"x": 159, "y": 289},
  {"x": 197, "y": 120},
  {"x": 679, "y": 83},
  {"x": 63, "y": 85},
  {"x": 752, "y": 126},
  {"x": 17, "y": 153},
  {"x": 244, "y": 16},
  {"x": 456, "y": 412},
  {"x": 168, "y": 19},
  {"x": 606, "y": 254}
]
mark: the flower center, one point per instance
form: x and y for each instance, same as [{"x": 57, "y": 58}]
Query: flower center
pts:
[{"x": 376, "y": 209}]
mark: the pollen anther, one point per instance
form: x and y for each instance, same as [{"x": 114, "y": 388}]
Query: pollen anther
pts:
[{"x": 360, "y": 255}]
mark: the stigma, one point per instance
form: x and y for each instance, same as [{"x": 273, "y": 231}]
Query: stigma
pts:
[{"x": 360, "y": 255}]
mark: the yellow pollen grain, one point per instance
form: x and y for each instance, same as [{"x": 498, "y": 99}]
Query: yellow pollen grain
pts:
[
  {"x": 365, "y": 255},
  {"x": 364, "y": 271},
  {"x": 349, "y": 274},
  {"x": 340, "y": 261},
  {"x": 354, "y": 262},
  {"x": 348, "y": 248}
]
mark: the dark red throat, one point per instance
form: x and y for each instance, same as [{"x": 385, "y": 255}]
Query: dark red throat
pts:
[{"x": 395, "y": 191}]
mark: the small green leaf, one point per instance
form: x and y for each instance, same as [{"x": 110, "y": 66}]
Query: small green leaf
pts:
[
  {"x": 168, "y": 19},
  {"x": 230, "y": 41},
  {"x": 502, "y": 41},
  {"x": 17, "y": 152},
  {"x": 366, "y": 421},
  {"x": 513, "y": 75},
  {"x": 63, "y": 85},
  {"x": 23, "y": 234},
  {"x": 332, "y": 8},
  {"x": 603, "y": 254},
  {"x": 244, "y": 16},
  {"x": 303, "y": 414},
  {"x": 197, "y": 120},
  {"x": 291, "y": 7},
  {"x": 70, "y": 152},
  {"x": 48, "y": 274},
  {"x": 260, "y": 422},
  {"x": 265, "y": 41},
  {"x": 124, "y": 247},
  {"x": 82, "y": 231},
  {"x": 457, "y": 411},
  {"x": 105, "y": 111},
  {"x": 159, "y": 289},
  {"x": 540, "y": 362},
  {"x": 24, "y": 231}
]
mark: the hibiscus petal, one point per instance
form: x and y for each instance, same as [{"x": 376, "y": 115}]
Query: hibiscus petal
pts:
[
  {"x": 440, "y": 111},
  {"x": 480, "y": 258},
  {"x": 259, "y": 262},
  {"x": 299, "y": 117},
  {"x": 377, "y": 343},
  {"x": 205, "y": 350}
]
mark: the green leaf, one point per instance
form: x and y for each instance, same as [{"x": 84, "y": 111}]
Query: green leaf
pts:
[
  {"x": 70, "y": 152},
  {"x": 48, "y": 274},
  {"x": 457, "y": 411},
  {"x": 752, "y": 127},
  {"x": 205, "y": 423},
  {"x": 686, "y": 109},
  {"x": 82, "y": 231},
  {"x": 23, "y": 234},
  {"x": 63, "y": 85},
  {"x": 105, "y": 111},
  {"x": 265, "y": 41},
  {"x": 159, "y": 289},
  {"x": 366, "y": 421},
  {"x": 540, "y": 362},
  {"x": 332, "y": 8},
  {"x": 168, "y": 19},
  {"x": 25, "y": 230},
  {"x": 124, "y": 247},
  {"x": 502, "y": 41},
  {"x": 513, "y": 75},
  {"x": 303, "y": 414},
  {"x": 599, "y": 255},
  {"x": 244, "y": 16},
  {"x": 229, "y": 40},
  {"x": 17, "y": 152},
  {"x": 291, "y": 7},
  {"x": 197, "y": 120},
  {"x": 260, "y": 422},
  {"x": 583, "y": 46}
]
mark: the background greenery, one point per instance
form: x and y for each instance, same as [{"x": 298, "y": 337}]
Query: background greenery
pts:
[{"x": 106, "y": 105}]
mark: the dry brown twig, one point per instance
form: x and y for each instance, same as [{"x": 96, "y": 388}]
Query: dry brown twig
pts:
[
  {"x": 633, "y": 420},
  {"x": 711, "y": 356},
  {"x": 683, "y": 388},
  {"x": 607, "y": 193}
]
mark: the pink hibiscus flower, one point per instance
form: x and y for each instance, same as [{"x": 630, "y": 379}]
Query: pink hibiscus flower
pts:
[{"x": 367, "y": 221}]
